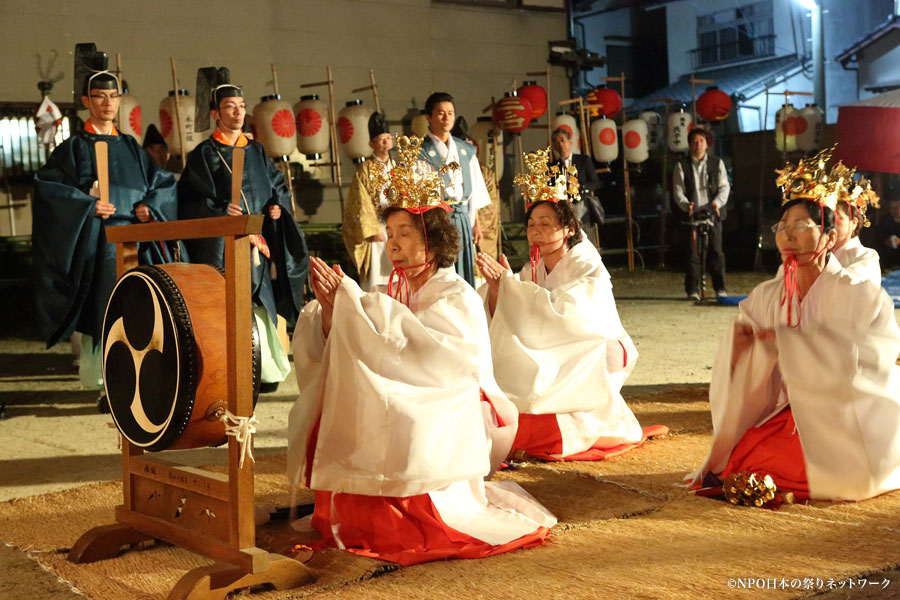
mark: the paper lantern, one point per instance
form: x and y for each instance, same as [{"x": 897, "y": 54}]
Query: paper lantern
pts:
[
  {"x": 276, "y": 129},
  {"x": 604, "y": 140},
  {"x": 604, "y": 101},
  {"x": 353, "y": 130},
  {"x": 535, "y": 94},
  {"x": 130, "y": 116},
  {"x": 567, "y": 122},
  {"x": 168, "y": 122},
  {"x": 713, "y": 105},
  {"x": 811, "y": 138},
  {"x": 420, "y": 126},
  {"x": 654, "y": 128},
  {"x": 634, "y": 141},
  {"x": 678, "y": 125},
  {"x": 512, "y": 113},
  {"x": 489, "y": 142},
  {"x": 311, "y": 121},
  {"x": 788, "y": 125}
]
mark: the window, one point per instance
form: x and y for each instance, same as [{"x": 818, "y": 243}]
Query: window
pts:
[
  {"x": 20, "y": 153},
  {"x": 735, "y": 34}
]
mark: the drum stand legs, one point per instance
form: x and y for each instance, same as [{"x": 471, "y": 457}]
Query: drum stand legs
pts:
[{"x": 212, "y": 582}]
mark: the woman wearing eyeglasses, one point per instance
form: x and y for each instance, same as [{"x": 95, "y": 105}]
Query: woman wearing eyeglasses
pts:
[{"x": 803, "y": 387}]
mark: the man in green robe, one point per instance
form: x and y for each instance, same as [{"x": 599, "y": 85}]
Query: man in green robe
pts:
[
  {"x": 75, "y": 267},
  {"x": 280, "y": 261}
]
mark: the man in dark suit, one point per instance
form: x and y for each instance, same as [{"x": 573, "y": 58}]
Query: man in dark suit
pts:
[{"x": 589, "y": 211}]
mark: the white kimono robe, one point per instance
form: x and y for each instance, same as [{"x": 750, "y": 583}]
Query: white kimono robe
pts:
[
  {"x": 560, "y": 348},
  {"x": 837, "y": 372},
  {"x": 396, "y": 392},
  {"x": 859, "y": 261}
]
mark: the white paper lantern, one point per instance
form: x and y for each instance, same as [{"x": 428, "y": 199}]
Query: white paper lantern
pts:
[
  {"x": 568, "y": 123},
  {"x": 419, "y": 125},
  {"x": 353, "y": 130},
  {"x": 130, "y": 117},
  {"x": 811, "y": 138},
  {"x": 678, "y": 125},
  {"x": 604, "y": 140},
  {"x": 275, "y": 127},
  {"x": 168, "y": 122},
  {"x": 654, "y": 128},
  {"x": 311, "y": 120},
  {"x": 634, "y": 141},
  {"x": 788, "y": 124},
  {"x": 489, "y": 141}
]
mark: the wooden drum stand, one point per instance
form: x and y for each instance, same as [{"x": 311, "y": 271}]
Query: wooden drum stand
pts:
[{"x": 205, "y": 512}]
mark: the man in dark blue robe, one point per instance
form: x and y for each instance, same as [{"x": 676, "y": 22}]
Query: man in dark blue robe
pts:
[
  {"x": 280, "y": 262},
  {"x": 75, "y": 267}
]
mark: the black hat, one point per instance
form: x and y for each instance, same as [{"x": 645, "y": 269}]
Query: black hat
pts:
[
  {"x": 461, "y": 129},
  {"x": 91, "y": 71},
  {"x": 153, "y": 137},
  {"x": 377, "y": 125},
  {"x": 213, "y": 85}
]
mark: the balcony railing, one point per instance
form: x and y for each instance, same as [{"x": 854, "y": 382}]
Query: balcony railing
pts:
[{"x": 745, "y": 49}]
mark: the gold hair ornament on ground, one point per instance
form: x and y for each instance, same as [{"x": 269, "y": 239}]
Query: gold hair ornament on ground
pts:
[
  {"x": 407, "y": 185},
  {"x": 749, "y": 489},
  {"x": 545, "y": 183}
]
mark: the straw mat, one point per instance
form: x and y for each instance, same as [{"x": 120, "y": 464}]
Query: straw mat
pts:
[{"x": 626, "y": 530}]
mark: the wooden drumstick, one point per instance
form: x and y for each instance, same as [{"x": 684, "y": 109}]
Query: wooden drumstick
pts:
[
  {"x": 102, "y": 172},
  {"x": 237, "y": 176}
]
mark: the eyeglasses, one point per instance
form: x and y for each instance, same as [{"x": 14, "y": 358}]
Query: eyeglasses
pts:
[{"x": 795, "y": 227}]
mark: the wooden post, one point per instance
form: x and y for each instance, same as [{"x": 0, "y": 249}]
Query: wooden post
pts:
[
  {"x": 274, "y": 78},
  {"x": 629, "y": 235},
  {"x": 335, "y": 153},
  {"x": 178, "y": 114}
]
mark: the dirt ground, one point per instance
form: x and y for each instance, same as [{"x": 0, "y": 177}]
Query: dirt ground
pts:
[{"x": 52, "y": 437}]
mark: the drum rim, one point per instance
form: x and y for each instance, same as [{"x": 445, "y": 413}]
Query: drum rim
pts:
[{"x": 183, "y": 326}]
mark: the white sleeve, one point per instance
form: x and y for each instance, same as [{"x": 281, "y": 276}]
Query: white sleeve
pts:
[
  {"x": 480, "y": 196},
  {"x": 724, "y": 187},
  {"x": 678, "y": 188}
]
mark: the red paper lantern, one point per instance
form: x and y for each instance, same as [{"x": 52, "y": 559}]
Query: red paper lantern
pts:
[
  {"x": 609, "y": 100},
  {"x": 713, "y": 104},
  {"x": 535, "y": 94},
  {"x": 513, "y": 113}
]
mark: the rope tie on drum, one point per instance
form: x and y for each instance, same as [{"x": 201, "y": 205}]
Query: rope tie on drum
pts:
[{"x": 242, "y": 430}]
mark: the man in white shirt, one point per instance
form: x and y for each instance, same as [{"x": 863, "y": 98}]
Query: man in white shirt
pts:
[
  {"x": 700, "y": 187},
  {"x": 465, "y": 190}
]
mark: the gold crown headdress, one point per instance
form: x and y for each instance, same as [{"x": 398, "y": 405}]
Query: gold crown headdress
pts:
[
  {"x": 408, "y": 186},
  {"x": 809, "y": 179},
  {"x": 543, "y": 183},
  {"x": 857, "y": 193}
]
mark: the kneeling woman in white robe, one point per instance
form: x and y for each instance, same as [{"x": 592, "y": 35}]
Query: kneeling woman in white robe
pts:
[
  {"x": 850, "y": 218},
  {"x": 804, "y": 387},
  {"x": 399, "y": 418},
  {"x": 560, "y": 351}
]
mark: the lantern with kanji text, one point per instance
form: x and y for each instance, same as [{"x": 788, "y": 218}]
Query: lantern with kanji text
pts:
[
  {"x": 512, "y": 113},
  {"x": 678, "y": 125},
  {"x": 604, "y": 101},
  {"x": 168, "y": 122}
]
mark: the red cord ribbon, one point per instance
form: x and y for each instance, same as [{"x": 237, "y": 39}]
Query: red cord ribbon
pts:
[
  {"x": 535, "y": 256},
  {"x": 403, "y": 281}
]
